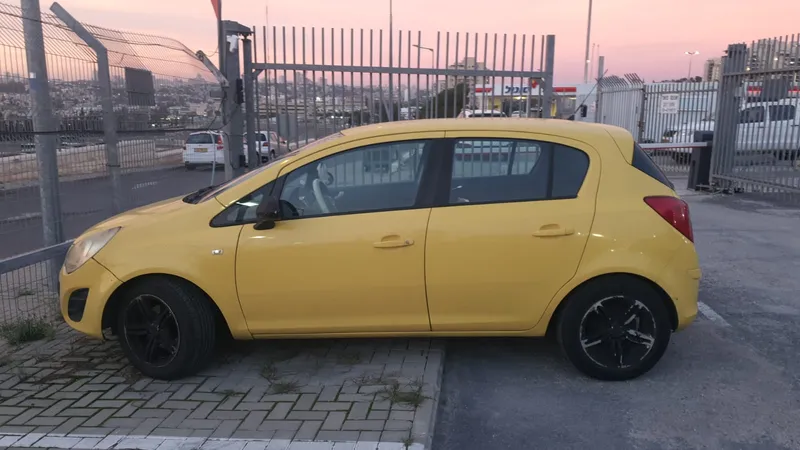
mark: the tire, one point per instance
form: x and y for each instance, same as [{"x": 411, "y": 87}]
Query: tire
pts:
[
  {"x": 190, "y": 167},
  {"x": 594, "y": 351},
  {"x": 272, "y": 155},
  {"x": 192, "y": 322}
]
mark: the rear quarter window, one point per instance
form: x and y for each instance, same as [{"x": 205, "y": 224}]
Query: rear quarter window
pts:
[
  {"x": 201, "y": 138},
  {"x": 643, "y": 163}
]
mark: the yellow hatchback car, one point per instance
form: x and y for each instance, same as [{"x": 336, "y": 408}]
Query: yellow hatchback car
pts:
[{"x": 485, "y": 227}]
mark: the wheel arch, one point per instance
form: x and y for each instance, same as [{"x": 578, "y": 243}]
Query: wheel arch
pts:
[
  {"x": 111, "y": 306},
  {"x": 665, "y": 298}
]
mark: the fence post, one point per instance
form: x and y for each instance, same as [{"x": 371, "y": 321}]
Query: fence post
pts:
[
  {"x": 547, "y": 95},
  {"x": 44, "y": 124},
  {"x": 106, "y": 101},
  {"x": 252, "y": 156},
  {"x": 598, "y": 112},
  {"x": 45, "y": 131},
  {"x": 642, "y": 105},
  {"x": 723, "y": 155},
  {"x": 235, "y": 127}
]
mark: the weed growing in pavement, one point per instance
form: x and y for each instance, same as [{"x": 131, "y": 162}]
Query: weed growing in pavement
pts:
[
  {"x": 410, "y": 394},
  {"x": 408, "y": 442},
  {"x": 230, "y": 392},
  {"x": 349, "y": 358},
  {"x": 269, "y": 372},
  {"x": 27, "y": 330},
  {"x": 25, "y": 292},
  {"x": 372, "y": 380},
  {"x": 285, "y": 387}
]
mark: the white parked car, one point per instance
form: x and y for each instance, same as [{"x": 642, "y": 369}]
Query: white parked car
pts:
[
  {"x": 764, "y": 128},
  {"x": 204, "y": 148},
  {"x": 270, "y": 148},
  {"x": 473, "y": 113}
]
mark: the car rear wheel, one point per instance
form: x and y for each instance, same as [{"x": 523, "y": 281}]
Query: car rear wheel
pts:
[
  {"x": 190, "y": 166},
  {"x": 166, "y": 328},
  {"x": 614, "y": 328}
]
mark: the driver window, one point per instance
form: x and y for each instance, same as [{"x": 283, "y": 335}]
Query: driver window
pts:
[{"x": 373, "y": 178}]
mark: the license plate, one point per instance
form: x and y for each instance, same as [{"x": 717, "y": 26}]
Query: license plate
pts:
[{"x": 201, "y": 150}]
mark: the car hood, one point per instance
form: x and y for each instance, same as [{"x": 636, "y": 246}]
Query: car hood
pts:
[{"x": 144, "y": 214}]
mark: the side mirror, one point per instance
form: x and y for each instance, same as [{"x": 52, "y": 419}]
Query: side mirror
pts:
[{"x": 267, "y": 214}]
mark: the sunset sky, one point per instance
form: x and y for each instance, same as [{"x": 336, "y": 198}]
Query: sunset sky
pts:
[{"x": 648, "y": 38}]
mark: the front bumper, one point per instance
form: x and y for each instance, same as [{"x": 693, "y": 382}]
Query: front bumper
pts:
[{"x": 100, "y": 284}]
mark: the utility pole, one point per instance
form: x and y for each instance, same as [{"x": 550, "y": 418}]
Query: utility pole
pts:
[
  {"x": 588, "y": 39},
  {"x": 391, "y": 64}
]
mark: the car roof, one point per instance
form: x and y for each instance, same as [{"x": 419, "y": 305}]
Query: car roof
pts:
[{"x": 558, "y": 127}]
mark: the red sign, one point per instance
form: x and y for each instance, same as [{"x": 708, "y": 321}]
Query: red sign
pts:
[{"x": 215, "y": 4}]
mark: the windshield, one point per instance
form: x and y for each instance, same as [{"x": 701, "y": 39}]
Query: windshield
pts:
[{"x": 242, "y": 178}]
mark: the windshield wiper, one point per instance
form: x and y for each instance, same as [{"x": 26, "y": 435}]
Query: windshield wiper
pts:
[{"x": 196, "y": 195}]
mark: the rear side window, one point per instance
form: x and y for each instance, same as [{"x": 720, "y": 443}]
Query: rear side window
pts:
[
  {"x": 200, "y": 138},
  {"x": 509, "y": 170},
  {"x": 643, "y": 162}
]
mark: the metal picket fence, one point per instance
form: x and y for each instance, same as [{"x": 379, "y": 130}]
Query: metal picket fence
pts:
[
  {"x": 757, "y": 135},
  {"x": 753, "y": 113},
  {"x": 659, "y": 113}
]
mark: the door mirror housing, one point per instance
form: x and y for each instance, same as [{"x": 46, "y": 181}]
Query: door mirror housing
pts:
[{"x": 268, "y": 213}]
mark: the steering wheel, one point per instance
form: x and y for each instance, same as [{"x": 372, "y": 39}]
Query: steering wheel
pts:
[{"x": 326, "y": 207}]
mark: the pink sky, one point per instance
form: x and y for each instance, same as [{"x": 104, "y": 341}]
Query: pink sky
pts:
[{"x": 635, "y": 36}]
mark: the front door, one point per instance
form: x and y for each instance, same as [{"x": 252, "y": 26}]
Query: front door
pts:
[
  {"x": 348, "y": 254},
  {"x": 512, "y": 232}
]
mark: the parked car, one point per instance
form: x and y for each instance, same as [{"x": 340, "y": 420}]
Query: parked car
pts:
[
  {"x": 768, "y": 129},
  {"x": 476, "y": 113},
  {"x": 204, "y": 148},
  {"x": 271, "y": 148},
  {"x": 542, "y": 242}
]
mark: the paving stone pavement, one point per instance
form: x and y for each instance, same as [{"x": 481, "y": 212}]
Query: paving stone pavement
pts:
[{"x": 77, "y": 392}]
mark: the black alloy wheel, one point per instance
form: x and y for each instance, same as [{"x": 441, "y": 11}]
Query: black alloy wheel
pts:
[{"x": 151, "y": 330}]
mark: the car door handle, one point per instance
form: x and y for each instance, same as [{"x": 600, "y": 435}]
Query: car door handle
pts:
[
  {"x": 553, "y": 231},
  {"x": 395, "y": 243}
]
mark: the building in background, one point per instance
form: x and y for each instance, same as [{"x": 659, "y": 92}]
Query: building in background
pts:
[
  {"x": 773, "y": 54},
  {"x": 712, "y": 69}
]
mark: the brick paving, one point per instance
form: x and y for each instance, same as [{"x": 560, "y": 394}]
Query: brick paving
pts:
[{"x": 76, "y": 392}]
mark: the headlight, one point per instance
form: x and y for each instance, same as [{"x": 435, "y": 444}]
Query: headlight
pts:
[{"x": 86, "y": 247}]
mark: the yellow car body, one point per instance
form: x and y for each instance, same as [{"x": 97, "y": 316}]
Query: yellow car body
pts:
[{"x": 464, "y": 268}]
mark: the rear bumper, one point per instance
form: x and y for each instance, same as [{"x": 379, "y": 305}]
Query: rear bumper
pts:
[{"x": 681, "y": 281}]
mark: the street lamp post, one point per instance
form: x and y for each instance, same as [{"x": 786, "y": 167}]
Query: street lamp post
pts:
[
  {"x": 391, "y": 63},
  {"x": 691, "y": 55},
  {"x": 588, "y": 39},
  {"x": 430, "y": 98}
]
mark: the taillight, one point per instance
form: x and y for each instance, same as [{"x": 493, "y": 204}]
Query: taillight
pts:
[
  {"x": 673, "y": 210},
  {"x": 219, "y": 143}
]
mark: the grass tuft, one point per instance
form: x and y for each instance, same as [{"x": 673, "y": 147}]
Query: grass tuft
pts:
[{"x": 26, "y": 330}]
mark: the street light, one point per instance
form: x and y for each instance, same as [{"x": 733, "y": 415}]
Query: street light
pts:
[
  {"x": 691, "y": 55},
  {"x": 588, "y": 38},
  {"x": 430, "y": 97}
]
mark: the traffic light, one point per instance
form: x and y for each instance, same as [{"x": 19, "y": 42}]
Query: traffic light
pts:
[{"x": 239, "y": 91}]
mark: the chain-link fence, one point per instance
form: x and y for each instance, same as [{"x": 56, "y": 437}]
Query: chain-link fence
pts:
[{"x": 160, "y": 93}]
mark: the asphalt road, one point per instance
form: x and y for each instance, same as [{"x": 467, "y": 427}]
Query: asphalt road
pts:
[
  {"x": 730, "y": 381},
  {"x": 87, "y": 202}
]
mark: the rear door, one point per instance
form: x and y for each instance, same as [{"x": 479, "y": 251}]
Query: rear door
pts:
[
  {"x": 200, "y": 148},
  {"x": 508, "y": 230}
]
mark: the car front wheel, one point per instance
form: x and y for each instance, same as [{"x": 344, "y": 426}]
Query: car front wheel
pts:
[
  {"x": 166, "y": 328},
  {"x": 614, "y": 328}
]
